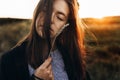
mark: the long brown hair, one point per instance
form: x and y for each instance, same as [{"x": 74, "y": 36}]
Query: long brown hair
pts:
[
  {"x": 36, "y": 44},
  {"x": 69, "y": 42}
]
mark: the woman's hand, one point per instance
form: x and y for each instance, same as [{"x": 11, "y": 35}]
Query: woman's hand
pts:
[{"x": 45, "y": 70}]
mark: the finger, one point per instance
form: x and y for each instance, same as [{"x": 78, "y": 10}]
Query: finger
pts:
[
  {"x": 51, "y": 76},
  {"x": 50, "y": 67},
  {"x": 51, "y": 72},
  {"x": 46, "y": 63}
]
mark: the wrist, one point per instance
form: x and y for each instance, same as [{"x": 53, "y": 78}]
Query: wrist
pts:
[{"x": 37, "y": 78}]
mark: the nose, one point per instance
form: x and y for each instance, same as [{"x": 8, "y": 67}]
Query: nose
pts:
[
  {"x": 52, "y": 18},
  {"x": 41, "y": 22}
]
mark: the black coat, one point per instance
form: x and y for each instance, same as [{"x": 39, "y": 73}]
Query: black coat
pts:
[{"x": 14, "y": 66}]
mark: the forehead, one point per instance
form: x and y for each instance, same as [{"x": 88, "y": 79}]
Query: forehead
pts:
[{"x": 61, "y": 6}]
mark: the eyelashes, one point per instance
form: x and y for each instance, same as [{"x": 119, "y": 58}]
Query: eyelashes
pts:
[{"x": 60, "y": 19}]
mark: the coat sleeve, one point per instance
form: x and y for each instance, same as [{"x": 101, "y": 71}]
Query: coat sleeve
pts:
[
  {"x": 33, "y": 77},
  {"x": 1, "y": 68},
  {"x": 4, "y": 67},
  {"x": 87, "y": 77}
]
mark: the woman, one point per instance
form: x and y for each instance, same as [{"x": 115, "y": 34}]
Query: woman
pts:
[{"x": 53, "y": 50}]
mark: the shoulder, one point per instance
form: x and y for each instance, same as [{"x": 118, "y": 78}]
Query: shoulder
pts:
[
  {"x": 14, "y": 53},
  {"x": 13, "y": 62}
]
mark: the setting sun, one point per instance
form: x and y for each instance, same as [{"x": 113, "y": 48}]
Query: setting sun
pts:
[
  {"x": 99, "y": 8},
  {"x": 88, "y": 8}
]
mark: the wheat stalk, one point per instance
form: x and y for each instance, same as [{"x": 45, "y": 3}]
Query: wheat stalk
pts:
[{"x": 53, "y": 42}]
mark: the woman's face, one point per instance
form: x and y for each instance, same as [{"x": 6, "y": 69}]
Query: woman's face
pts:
[{"x": 58, "y": 19}]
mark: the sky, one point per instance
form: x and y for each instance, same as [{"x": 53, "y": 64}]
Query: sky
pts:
[{"x": 88, "y": 8}]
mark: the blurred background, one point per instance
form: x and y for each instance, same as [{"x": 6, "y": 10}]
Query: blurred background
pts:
[{"x": 102, "y": 36}]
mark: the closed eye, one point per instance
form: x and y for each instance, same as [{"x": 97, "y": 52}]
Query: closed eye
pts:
[{"x": 61, "y": 19}]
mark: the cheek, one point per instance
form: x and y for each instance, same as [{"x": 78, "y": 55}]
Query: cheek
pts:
[
  {"x": 39, "y": 31},
  {"x": 58, "y": 26}
]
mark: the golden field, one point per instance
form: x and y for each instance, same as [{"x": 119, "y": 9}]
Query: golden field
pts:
[{"x": 102, "y": 41}]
